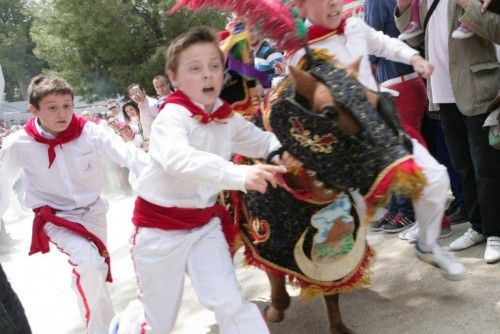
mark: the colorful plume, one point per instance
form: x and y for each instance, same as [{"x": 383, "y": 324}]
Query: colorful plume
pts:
[{"x": 276, "y": 20}]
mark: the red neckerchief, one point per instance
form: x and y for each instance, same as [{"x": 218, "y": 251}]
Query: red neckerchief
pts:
[
  {"x": 316, "y": 32},
  {"x": 40, "y": 240},
  {"x": 73, "y": 131},
  {"x": 178, "y": 97}
]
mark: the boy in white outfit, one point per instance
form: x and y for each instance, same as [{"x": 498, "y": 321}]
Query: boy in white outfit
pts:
[
  {"x": 63, "y": 178},
  {"x": 351, "y": 38},
  {"x": 180, "y": 228}
]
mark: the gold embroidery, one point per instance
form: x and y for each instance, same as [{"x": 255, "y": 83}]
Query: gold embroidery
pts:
[
  {"x": 315, "y": 143},
  {"x": 259, "y": 230}
]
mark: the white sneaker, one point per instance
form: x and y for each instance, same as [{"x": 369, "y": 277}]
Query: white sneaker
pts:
[
  {"x": 413, "y": 30},
  {"x": 130, "y": 321},
  {"x": 468, "y": 239},
  {"x": 492, "y": 252},
  {"x": 449, "y": 265},
  {"x": 411, "y": 234},
  {"x": 462, "y": 33}
]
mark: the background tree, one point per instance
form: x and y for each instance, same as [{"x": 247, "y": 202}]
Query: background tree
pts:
[
  {"x": 102, "y": 46},
  {"x": 16, "y": 49}
]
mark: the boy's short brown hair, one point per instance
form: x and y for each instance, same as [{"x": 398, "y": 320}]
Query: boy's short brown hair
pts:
[
  {"x": 192, "y": 36},
  {"x": 43, "y": 85}
]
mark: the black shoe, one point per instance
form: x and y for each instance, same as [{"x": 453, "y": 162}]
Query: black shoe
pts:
[
  {"x": 398, "y": 224},
  {"x": 458, "y": 217},
  {"x": 377, "y": 224}
]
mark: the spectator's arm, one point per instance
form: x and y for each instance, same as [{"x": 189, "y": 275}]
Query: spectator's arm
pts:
[{"x": 486, "y": 25}]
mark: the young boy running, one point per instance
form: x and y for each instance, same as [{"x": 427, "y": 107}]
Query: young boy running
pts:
[
  {"x": 63, "y": 178},
  {"x": 350, "y": 39},
  {"x": 179, "y": 226}
]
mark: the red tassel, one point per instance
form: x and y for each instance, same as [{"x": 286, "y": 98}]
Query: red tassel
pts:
[{"x": 274, "y": 19}]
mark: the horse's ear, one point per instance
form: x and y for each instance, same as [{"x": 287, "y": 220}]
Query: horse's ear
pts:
[
  {"x": 304, "y": 81},
  {"x": 353, "y": 68}
]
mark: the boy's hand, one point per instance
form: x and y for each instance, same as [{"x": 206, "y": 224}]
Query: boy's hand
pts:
[
  {"x": 287, "y": 160},
  {"x": 259, "y": 175},
  {"x": 422, "y": 66}
]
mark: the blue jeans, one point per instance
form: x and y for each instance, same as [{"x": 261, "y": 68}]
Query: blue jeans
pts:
[
  {"x": 12, "y": 317},
  {"x": 479, "y": 163}
]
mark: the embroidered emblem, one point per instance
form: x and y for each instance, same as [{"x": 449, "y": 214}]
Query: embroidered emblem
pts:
[
  {"x": 259, "y": 230},
  {"x": 315, "y": 143},
  {"x": 335, "y": 229}
]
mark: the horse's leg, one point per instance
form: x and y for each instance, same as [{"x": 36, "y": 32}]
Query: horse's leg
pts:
[
  {"x": 280, "y": 300},
  {"x": 334, "y": 318}
]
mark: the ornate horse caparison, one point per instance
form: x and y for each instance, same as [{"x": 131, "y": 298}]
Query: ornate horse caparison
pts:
[{"x": 312, "y": 234}]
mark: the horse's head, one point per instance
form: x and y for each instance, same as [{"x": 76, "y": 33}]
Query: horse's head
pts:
[{"x": 329, "y": 89}]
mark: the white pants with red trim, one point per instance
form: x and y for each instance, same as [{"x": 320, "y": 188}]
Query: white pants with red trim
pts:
[
  {"x": 89, "y": 269},
  {"x": 162, "y": 258},
  {"x": 429, "y": 208}
]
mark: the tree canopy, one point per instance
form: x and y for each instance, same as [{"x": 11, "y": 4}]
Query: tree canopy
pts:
[
  {"x": 102, "y": 46},
  {"x": 16, "y": 49}
]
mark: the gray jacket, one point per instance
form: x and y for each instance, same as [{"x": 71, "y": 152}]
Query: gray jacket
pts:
[{"x": 474, "y": 67}]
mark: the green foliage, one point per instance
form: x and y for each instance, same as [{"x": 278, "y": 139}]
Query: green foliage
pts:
[
  {"x": 16, "y": 49},
  {"x": 102, "y": 46}
]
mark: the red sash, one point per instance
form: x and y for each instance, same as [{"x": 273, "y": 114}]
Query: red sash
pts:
[
  {"x": 178, "y": 97},
  {"x": 150, "y": 215},
  {"x": 40, "y": 240},
  {"x": 73, "y": 131}
]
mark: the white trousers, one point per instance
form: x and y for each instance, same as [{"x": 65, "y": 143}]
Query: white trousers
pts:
[
  {"x": 429, "y": 208},
  {"x": 89, "y": 269},
  {"x": 162, "y": 258}
]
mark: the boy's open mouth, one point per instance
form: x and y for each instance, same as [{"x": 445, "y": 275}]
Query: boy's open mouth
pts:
[{"x": 208, "y": 89}]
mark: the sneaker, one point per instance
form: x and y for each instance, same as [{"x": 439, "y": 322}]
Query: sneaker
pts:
[
  {"x": 130, "y": 321},
  {"x": 449, "y": 265},
  {"x": 468, "y": 239},
  {"x": 458, "y": 216},
  {"x": 411, "y": 234},
  {"x": 462, "y": 32},
  {"x": 114, "y": 326},
  {"x": 398, "y": 224},
  {"x": 492, "y": 252},
  {"x": 413, "y": 30},
  {"x": 377, "y": 224}
]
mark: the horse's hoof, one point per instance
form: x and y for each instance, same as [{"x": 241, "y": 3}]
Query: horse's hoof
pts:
[
  {"x": 272, "y": 314},
  {"x": 341, "y": 329}
]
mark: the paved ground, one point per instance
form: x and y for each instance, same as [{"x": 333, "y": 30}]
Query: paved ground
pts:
[{"x": 406, "y": 296}]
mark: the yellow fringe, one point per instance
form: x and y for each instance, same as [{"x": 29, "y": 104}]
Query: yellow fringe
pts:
[{"x": 313, "y": 291}]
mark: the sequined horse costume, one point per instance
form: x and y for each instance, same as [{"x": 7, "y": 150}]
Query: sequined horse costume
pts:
[{"x": 311, "y": 232}]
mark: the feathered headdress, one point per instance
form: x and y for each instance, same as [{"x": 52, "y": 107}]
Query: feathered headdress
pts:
[{"x": 277, "y": 20}]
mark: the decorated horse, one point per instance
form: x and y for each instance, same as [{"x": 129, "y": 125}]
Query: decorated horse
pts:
[{"x": 311, "y": 231}]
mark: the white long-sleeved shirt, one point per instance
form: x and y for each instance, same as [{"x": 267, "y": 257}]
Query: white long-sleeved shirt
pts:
[
  {"x": 360, "y": 40},
  {"x": 149, "y": 111},
  {"x": 76, "y": 177},
  {"x": 190, "y": 160}
]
